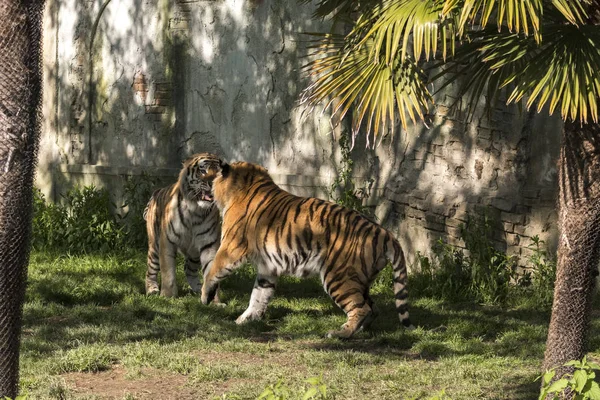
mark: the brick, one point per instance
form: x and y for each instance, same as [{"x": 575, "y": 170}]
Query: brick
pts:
[
  {"x": 503, "y": 204},
  {"x": 435, "y": 218},
  {"x": 513, "y": 239},
  {"x": 140, "y": 87},
  {"x": 484, "y": 133},
  {"x": 417, "y": 204},
  {"x": 162, "y": 86},
  {"x": 521, "y": 209},
  {"x": 548, "y": 195},
  {"x": 512, "y": 217},
  {"x": 419, "y": 154},
  {"x": 520, "y": 229},
  {"x": 530, "y": 193},
  {"x": 438, "y": 151},
  {"x": 435, "y": 226},
  {"x": 155, "y": 110},
  {"x": 456, "y": 241},
  {"x": 531, "y": 202},
  {"x": 162, "y": 94},
  {"x": 155, "y": 117},
  {"x": 454, "y": 223},
  {"x": 419, "y": 194},
  {"x": 461, "y": 216},
  {"x": 483, "y": 143},
  {"x": 401, "y": 198},
  {"x": 453, "y": 231},
  {"x": 413, "y": 213},
  {"x": 163, "y": 102}
]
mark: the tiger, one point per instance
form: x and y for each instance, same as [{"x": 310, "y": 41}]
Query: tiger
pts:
[
  {"x": 284, "y": 234},
  {"x": 183, "y": 217}
]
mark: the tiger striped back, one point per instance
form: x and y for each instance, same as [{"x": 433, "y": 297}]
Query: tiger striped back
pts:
[
  {"x": 183, "y": 217},
  {"x": 286, "y": 234}
]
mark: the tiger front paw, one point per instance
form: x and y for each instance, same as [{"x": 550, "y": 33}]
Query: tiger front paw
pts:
[
  {"x": 247, "y": 317},
  {"x": 207, "y": 295}
]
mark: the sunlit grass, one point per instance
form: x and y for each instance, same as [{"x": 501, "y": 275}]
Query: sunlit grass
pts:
[{"x": 88, "y": 315}]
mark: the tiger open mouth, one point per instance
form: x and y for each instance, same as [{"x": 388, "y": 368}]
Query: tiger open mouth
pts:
[{"x": 206, "y": 196}]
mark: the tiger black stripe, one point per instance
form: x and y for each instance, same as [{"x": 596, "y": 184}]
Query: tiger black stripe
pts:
[{"x": 287, "y": 234}]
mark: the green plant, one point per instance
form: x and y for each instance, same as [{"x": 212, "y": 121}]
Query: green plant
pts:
[
  {"x": 137, "y": 191},
  {"x": 581, "y": 383},
  {"x": 278, "y": 391},
  {"x": 491, "y": 270},
  {"x": 343, "y": 190},
  {"x": 317, "y": 389},
  {"x": 48, "y": 222},
  {"x": 479, "y": 272},
  {"x": 543, "y": 272},
  {"x": 83, "y": 222}
]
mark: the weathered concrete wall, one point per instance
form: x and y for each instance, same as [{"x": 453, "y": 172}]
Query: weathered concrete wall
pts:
[{"x": 137, "y": 86}]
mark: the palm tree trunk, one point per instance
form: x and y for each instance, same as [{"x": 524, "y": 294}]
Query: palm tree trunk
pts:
[
  {"x": 578, "y": 248},
  {"x": 20, "y": 101}
]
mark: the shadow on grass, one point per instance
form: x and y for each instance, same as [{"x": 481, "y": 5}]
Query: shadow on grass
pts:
[{"x": 97, "y": 299}]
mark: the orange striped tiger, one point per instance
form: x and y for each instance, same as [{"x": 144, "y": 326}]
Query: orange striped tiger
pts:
[
  {"x": 286, "y": 234},
  {"x": 183, "y": 217}
]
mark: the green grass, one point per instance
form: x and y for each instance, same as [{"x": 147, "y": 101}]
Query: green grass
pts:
[{"x": 90, "y": 332}]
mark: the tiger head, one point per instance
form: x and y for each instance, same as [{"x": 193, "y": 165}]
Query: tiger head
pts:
[
  {"x": 197, "y": 175},
  {"x": 235, "y": 180}
]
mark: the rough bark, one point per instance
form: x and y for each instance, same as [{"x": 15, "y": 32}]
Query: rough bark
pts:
[
  {"x": 578, "y": 248},
  {"x": 20, "y": 101}
]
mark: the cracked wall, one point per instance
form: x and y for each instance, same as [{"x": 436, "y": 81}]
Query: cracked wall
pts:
[{"x": 135, "y": 87}]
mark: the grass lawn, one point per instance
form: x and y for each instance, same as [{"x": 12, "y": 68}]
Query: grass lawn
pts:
[{"x": 90, "y": 332}]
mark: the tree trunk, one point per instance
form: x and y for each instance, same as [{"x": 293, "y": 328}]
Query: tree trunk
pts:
[
  {"x": 578, "y": 246},
  {"x": 20, "y": 104}
]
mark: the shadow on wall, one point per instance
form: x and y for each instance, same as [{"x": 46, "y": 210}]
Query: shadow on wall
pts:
[{"x": 135, "y": 87}]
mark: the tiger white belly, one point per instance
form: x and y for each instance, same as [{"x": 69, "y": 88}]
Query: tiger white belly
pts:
[{"x": 291, "y": 264}]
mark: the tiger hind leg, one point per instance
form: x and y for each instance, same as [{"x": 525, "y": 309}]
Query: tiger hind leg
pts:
[
  {"x": 168, "y": 278},
  {"x": 366, "y": 324},
  {"x": 152, "y": 273},
  {"x": 359, "y": 312}
]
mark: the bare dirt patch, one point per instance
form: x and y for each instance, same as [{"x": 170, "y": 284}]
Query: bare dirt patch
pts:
[{"x": 114, "y": 384}]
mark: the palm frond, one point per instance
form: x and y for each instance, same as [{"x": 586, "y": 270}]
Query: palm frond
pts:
[
  {"x": 572, "y": 10},
  {"x": 375, "y": 91},
  {"x": 566, "y": 73},
  {"x": 564, "y": 70},
  {"x": 397, "y": 25},
  {"x": 519, "y": 16},
  {"x": 478, "y": 69}
]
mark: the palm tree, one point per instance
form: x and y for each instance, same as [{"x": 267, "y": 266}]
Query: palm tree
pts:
[
  {"x": 20, "y": 104},
  {"x": 545, "y": 53}
]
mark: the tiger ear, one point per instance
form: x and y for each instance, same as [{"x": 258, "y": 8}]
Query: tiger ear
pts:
[{"x": 224, "y": 168}]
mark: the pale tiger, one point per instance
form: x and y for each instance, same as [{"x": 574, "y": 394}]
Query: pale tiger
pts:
[{"x": 183, "y": 217}]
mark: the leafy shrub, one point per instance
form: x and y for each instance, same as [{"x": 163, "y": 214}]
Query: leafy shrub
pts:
[
  {"x": 581, "y": 383},
  {"x": 47, "y": 223},
  {"x": 343, "y": 190},
  {"x": 541, "y": 275},
  {"x": 136, "y": 193},
  {"x": 83, "y": 222},
  {"x": 479, "y": 272},
  {"x": 86, "y": 220}
]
